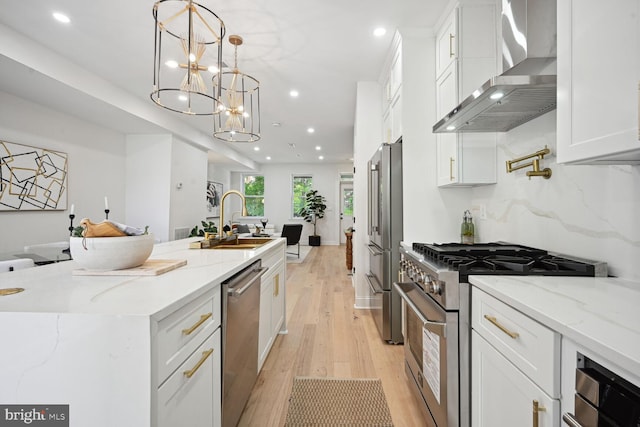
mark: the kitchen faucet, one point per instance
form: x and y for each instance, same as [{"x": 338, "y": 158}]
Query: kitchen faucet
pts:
[{"x": 224, "y": 196}]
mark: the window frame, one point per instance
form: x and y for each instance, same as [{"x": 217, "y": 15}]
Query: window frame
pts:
[
  {"x": 294, "y": 176},
  {"x": 244, "y": 193}
]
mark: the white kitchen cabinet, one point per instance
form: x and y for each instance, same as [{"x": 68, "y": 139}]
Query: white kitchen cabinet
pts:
[
  {"x": 502, "y": 395},
  {"x": 272, "y": 307},
  {"x": 192, "y": 392},
  {"x": 188, "y": 363},
  {"x": 465, "y": 59},
  {"x": 515, "y": 365},
  {"x": 392, "y": 93},
  {"x": 447, "y": 43},
  {"x": 598, "y": 82}
]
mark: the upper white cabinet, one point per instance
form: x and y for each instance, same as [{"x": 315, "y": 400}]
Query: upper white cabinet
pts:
[
  {"x": 598, "y": 82},
  {"x": 392, "y": 94},
  {"x": 465, "y": 58},
  {"x": 446, "y": 43}
]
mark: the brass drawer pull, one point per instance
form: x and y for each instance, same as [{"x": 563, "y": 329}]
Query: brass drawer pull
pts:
[
  {"x": 203, "y": 319},
  {"x": 451, "y": 52},
  {"x": 537, "y": 408},
  {"x": 493, "y": 320},
  {"x": 205, "y": 356},
  {"x": 451, "y": 177}
]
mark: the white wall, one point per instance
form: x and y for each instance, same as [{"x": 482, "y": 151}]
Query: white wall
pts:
[
  {"x": 277, "y": 178},
  {"x": 96, "y": 169}
]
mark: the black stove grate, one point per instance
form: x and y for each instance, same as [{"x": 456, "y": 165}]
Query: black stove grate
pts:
[{"x": 501, "y": 258}]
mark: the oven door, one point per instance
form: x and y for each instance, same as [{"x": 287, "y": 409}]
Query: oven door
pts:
[{"x": 431, "y": 353}]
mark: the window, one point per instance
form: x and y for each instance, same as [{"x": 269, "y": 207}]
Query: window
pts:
[
  {"x": 301, "y": 186},
  {"x": 253, "y": 189}
]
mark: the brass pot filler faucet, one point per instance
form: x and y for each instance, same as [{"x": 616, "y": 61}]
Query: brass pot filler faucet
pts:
[{"x": 535, "y": 163}]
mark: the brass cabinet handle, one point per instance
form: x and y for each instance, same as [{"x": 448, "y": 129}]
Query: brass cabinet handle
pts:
[
  {"x": 451, "y": 52},
  {"x": 276, "y": 288},
  {"x": 451, "y": 160},
  {"x": 203, "y": 319},
  {"x": 205, "y": 356},
  {"x": 493, "y": 320},
  {"x": 536, "y": 409}
]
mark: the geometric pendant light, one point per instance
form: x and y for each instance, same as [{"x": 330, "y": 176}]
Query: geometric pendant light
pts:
[
  {"x": 187, "y": 56},
  {"x": 238, "y": 119}
]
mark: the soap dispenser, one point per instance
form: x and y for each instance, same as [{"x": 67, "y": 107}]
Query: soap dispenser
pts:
[{"x": 467, "y": 230}]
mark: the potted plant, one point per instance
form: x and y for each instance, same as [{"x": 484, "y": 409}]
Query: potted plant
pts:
[
  {"x": 207, "y": 227},
  {"x": 313, "y": 209}
]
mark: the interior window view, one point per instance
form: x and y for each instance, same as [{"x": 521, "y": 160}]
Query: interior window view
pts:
[{"x": 293, "y": 214}]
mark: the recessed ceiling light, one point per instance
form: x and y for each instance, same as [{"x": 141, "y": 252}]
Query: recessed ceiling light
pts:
[
  {"x": 268, "y": 157},
  {"x": 292, "y": 145},
  {"x": 294, "y": 93},
  {"x": 318, "y": 148},
  {"x": 276, "y": 124},
  {"x": 311, "y": 130},
  {"x": 171, "y": 63},
  {"x": 321, "y": 157},
  {"x": 61, "y": 17},
  {"x": 256, "y": 148},
  {"x": 379, "y": 32}
]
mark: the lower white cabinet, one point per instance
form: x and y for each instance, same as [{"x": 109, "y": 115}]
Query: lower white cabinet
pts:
[
  {"x": 515, "y": 367},
  {"x": 501, "y": 395},
  {"x": 272, "y": 306},
  {"x": 192, "y": 394}
]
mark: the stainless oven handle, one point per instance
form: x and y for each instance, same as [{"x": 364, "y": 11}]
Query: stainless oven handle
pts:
[
  {"x": 570, "y": 420},
  {"x": 374, "y": 250},
  {"x": 373, "y": 284},
  {"x": 435, "y": 327}
]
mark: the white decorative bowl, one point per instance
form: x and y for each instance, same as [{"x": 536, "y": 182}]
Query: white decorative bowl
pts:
[{"x": 111, "y": 253}]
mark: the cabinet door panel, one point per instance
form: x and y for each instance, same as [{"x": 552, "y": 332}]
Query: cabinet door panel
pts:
[
  {"x": 598, "y": 77},
  {"x": 194, "y": 401},
  {"x": 501, "y": 395},
  {"x": 447, "y": 43}
]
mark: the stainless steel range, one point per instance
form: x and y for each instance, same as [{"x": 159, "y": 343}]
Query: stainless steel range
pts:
[{"x": 433, "y": 284}]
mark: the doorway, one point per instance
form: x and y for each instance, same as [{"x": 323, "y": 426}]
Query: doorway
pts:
[{"x": 346, "y": 209}]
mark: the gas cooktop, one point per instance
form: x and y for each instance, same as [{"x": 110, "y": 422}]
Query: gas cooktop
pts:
[{"x": 505, "y": 258}]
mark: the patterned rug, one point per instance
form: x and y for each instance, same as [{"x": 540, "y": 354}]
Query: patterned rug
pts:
[{"x": 337, "y": 402}]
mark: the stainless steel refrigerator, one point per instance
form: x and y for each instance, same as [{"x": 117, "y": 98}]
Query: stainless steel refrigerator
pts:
[{"x": 385, "y": 234}]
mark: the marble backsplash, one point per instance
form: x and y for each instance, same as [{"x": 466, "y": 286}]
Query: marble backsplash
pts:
[{"x": 585, "y": 211}]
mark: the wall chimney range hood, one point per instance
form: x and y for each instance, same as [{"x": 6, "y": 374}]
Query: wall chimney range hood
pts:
[{"x": 527, "y": 89}]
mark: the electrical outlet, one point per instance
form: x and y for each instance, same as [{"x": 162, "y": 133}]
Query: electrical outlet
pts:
[{"x": 483, "y": 211}]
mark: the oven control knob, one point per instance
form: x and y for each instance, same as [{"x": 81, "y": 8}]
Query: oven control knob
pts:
[{"x": 436, "y": 286}]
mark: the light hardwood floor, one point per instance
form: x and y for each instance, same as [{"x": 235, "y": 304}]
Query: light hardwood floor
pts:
[{"x": 327, "y": 337}]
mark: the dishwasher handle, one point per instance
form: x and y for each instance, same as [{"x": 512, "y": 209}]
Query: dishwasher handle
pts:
[{"x": 259, "y": 272}]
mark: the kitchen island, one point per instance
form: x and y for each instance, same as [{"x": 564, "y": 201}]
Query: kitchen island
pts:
[
  {"x": 115, "y": 348},
  {"x": 528, "y": 332}
]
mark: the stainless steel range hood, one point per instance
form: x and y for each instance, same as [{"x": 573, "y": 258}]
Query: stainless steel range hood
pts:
[{"x": 527, "y": 89}]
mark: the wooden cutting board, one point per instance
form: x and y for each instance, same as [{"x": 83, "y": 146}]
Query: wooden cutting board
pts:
[{"x": 151, "y": 267}]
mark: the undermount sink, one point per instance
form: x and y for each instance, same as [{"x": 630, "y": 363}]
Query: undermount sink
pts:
[{"x": 241, "y": 244}]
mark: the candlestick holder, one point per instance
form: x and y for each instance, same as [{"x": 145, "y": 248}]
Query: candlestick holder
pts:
[
  {"x": 71, "y": 217},
  {"x": 106, "y": 213}
]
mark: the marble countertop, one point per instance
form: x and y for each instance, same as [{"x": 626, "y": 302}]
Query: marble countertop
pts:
[
  {"x": 54, "y": 289},
  {"x": 602, "y": 314}
]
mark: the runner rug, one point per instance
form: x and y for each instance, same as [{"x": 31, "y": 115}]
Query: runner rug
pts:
[{"x": 337, "y": 402}]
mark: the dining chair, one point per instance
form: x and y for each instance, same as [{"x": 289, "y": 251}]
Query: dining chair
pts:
[{"x": 292, "y": 232}]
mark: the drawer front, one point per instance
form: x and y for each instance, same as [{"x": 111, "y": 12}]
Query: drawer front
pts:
[
  {"x": 271, "y": 258},
  {"x": 529, "y": 345},
  {"x": 192, "y": 395},
  {"x": 181, "y": 332}
]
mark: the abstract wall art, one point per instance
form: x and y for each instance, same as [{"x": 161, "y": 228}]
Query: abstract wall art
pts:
[
  {"x": 31, "y": 178},
  {"x": 214, "y": 193}
]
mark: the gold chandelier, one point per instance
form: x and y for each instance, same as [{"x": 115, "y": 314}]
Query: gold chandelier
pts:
[
  {"x": 238, "y": 118},
  {"x": 188, "y": 44}
]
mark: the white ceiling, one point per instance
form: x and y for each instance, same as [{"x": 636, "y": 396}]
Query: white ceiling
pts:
[{"x": 320, "y": 48}]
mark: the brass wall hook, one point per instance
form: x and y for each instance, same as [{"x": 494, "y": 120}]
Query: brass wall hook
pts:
[{"x": 534, "y": 163}]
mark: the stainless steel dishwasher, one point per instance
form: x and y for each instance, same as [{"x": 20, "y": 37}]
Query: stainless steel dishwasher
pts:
[{"x": 240, "y": 326}]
